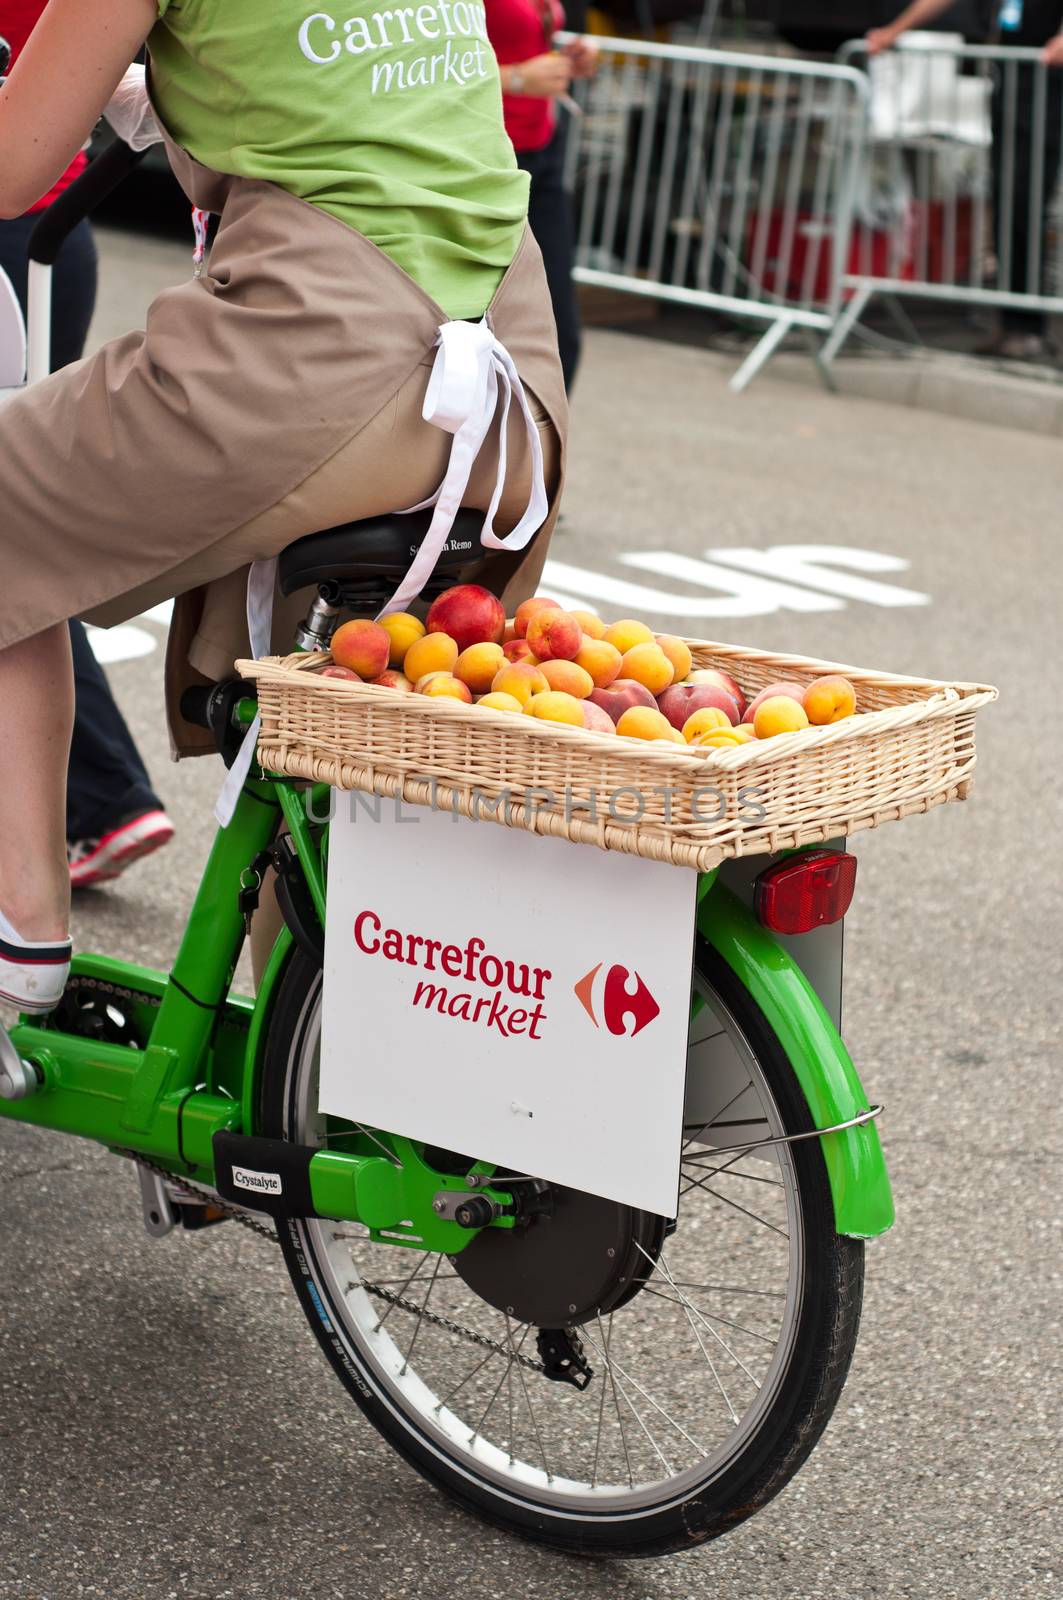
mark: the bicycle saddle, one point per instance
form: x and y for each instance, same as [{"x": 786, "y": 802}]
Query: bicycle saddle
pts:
[{"x": 362, "y": 560}]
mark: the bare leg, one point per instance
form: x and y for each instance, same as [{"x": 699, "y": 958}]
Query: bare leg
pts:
[{"x": 36, "y": 716}]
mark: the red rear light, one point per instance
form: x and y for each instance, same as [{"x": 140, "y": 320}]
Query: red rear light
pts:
[{"x": 805, "y": 891}]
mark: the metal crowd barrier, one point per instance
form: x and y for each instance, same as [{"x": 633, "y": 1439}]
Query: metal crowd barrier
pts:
[
  {"x": 719, "y": 180},
  {"x": 962, "y": 179}
]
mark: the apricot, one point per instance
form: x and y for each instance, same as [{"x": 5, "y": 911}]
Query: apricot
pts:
[
  {"x": 710, "y": 719},
  {"x": 520, "y": 679},
  {"x": 393, "y": 680},
  {"x": 362, "y": 645},
  {"x": 678, "y": 654},
  {"x": 555, "y": 706},
  {"x": 478, "y": 665},
  {"x": 647, "y": 664},
  {"x": 470, "y": 614},
  {"x": 500, "y": 702},
  {"x": 554, "y": 635},
  {"x": 778, "y": 714},
  {"x": 795, "y": 691},
  {"x": 644, "y": 722},
  {"x": 436, "y": 652},
  {"x": 628, "y": 633},
  {"x": 718, "y": 739},
  {"x": 518, "y": 650},
  {"x": 829, "y": 699},
  {"x": 403, "y": 629},
  {"x": 444, "y": 685},
  {"x": 530, "y": 608},
  {"x": 601, "y": 659},
  {"x": 568, "y": 677},
  {"x": 591, "y": 623},
  {"x": 596, "y": 719}
]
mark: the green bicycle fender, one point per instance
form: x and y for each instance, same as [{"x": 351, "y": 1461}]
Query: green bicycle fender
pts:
[
  {"x": 256, "y": 1038},
  {"x": 859, "y": 1182}
]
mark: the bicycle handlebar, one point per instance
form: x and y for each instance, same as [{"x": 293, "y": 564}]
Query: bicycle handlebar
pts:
[{"x": 80, "y": 200}]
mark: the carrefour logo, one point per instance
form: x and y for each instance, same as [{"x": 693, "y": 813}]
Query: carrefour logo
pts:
[{"x": 617, "y": 999}]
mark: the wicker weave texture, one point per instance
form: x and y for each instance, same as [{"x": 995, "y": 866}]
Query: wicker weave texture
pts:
[{"x": 910, "y": 747}]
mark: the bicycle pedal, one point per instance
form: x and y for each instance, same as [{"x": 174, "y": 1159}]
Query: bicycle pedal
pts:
[
  {"x": 195, "y": 1216},
  {"x": 159, "y": 1216},
  {"x": 18, "y": 1078}
]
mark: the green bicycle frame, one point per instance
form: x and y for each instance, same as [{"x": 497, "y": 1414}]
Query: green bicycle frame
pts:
[{"x": 198, "y": 1072}]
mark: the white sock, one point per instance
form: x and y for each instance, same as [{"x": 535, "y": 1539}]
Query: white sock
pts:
[{"x": 11, "y": 936}]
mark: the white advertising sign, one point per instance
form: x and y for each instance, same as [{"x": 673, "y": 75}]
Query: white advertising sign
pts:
[{"x": 519, "y": 1000}]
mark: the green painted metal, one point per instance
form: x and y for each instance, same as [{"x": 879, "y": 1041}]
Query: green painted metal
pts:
[
  {"x": 860, "y": 1187},
  {"x": 293, "y": 804},
  {"x": 268, "y": 987}
]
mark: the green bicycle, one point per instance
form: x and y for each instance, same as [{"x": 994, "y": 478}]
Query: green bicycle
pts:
[
  {"x": 704, "y": 1355},
  {"x": 569, "y": 1368}
]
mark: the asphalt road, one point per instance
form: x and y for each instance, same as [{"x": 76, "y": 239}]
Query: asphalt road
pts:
[{"x": 167, "y": 1426}]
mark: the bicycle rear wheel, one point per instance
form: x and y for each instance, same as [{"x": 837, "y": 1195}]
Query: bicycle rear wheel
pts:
[{"x": 715, "y": 1373}]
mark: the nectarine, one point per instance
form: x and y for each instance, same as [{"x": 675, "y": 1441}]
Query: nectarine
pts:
[
  {"x": 681, "y": 701},
  {"x": 723, "y": 679},
  {"x": 340, "y": 672},
  {"x": 393, "y": 680},
  {"x": 620, "y": 696},
  {"x": 470, "y": 614},
  {"x": 596, "y": 719}
]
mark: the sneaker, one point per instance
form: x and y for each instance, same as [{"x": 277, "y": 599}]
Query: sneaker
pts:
[
  {"x": 100, "y": 860},
  {"x": 32, "y": 976}
]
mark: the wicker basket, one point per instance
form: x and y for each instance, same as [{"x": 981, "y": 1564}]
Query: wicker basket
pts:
[{"x": 910, "y": 747}]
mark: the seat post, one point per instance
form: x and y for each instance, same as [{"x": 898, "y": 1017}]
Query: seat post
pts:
[{"x": 317, "y": 630}]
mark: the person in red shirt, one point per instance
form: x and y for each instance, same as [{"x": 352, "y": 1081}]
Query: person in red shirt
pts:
[
  {"x": 113, "y": 816},
  {"x": 534, "y": 77}
]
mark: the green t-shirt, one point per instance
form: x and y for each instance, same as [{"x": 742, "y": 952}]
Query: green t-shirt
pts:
[{"x": 389, "y": 119}]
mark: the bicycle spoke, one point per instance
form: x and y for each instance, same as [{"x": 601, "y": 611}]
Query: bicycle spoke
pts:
[{"x": 420, "y": 1314}]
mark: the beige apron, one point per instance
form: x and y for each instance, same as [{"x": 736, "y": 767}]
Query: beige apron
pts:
[{"x": 277, "y": 394}]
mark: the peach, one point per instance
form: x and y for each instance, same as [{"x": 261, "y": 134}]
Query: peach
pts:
[
  {"x": 795, "y": 691},
  {"x": 829, "y": 700},
  {"x": 553, "y": 705},
  {"x": 393, "y": 680},
  {"x": 518, "y": 650},
  {"x": 470, "y": 613},
  {"x": 591, "y": 623},
  {"x": 725, "y": 681},
  {"x": 444, "y": 685},
  {"x": 568, "y": 678},
  {"x": 340, "y": 672},
  {"x": 500, "y": 702},
  {"x": 362, "y": 645},
  {"x": 403, "y": 629},
  {"x": 620, "y": 696},
  {"x": 596, "y": 719},
  {"x": 554, "y": 635},
  {"x": 530, "y": 608},
  {"x": 478, "y": 665},
  {"x": 628, "y": 633},
  {"x": 436, "y": 652},
  {"x": 678, "y": 654},
  {"x": 521, "y": 679},
  {"x": 601, "y": 659},
  {"x": 646, "y": 722},
  {"x": 681, "y": 701},
  {"x": 647, "y": 664},
  {"x": 710, "y": 719},
  {"x": 778, "y": 714}
]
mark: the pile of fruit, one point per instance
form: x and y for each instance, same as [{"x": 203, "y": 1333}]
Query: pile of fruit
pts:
[{"x": 571, "y": 667}]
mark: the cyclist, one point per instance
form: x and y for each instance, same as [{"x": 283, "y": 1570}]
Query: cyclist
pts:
[{"x": 368, "y": 198}]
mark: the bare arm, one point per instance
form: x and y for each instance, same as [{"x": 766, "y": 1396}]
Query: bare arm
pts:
[
  {"x": 912, "y": 16},
  {"x": 64, "y": 78}
]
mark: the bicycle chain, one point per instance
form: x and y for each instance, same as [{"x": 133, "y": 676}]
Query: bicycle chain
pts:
[{"x": 252, "y": 1224}]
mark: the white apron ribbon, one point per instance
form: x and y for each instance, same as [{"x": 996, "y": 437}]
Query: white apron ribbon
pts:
[{"x": 472, "y": 368}]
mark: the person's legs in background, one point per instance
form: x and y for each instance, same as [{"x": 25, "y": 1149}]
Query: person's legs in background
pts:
[
  {"x": 550, "y": 219},
  {"x": 1015, "y": 203},
  {"x": 113, "y": 814}
]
